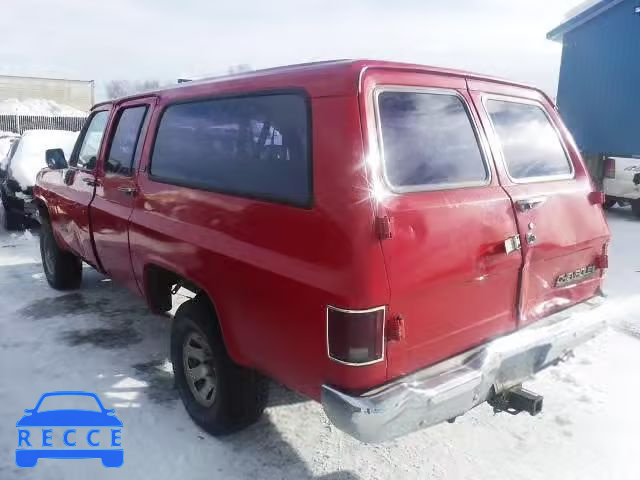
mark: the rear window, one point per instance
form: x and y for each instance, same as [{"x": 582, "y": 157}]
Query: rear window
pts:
[
  {"x": 530, "y": 144},
  {"x": 253, "y": 146},
  {"x": 428, "y": 141}
]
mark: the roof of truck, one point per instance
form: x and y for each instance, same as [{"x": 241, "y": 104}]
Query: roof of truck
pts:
[{"x": 331, "y": 75}]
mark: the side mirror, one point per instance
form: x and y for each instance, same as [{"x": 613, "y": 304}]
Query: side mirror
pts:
[{"x": 55, "y": 159}]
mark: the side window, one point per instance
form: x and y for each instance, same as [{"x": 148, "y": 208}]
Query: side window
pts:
[
  {"x": 123, "y": 148},
  {"x": 428, "y": 141},
  {"x": 530, "y": 145},
  {"x": 254, "y": 146},
  {"x": 88, "y": 152}
]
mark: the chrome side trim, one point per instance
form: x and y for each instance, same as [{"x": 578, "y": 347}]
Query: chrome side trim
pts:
[
  {"x": 452, "y": 387},
  {"x": 367, "y": 310}
]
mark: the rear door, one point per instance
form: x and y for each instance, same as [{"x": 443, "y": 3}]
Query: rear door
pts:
[
  {"x": 453, "y": 282},
  {"x": 562, "y": 227},
  {"x": 117, "y": 188}
]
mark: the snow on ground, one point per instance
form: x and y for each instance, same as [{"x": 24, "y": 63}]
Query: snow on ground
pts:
[
  {"x": 38, "y": 107},
  {"x": 102, "y": 338}
]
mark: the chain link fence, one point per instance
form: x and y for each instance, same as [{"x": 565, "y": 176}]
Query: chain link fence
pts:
[{"x": 19, "y": 123}]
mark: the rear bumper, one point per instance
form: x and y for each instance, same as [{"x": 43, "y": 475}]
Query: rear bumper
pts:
[{"x": 451, "y": 388}]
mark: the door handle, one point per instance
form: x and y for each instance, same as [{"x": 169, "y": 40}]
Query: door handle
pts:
[
  {"x": 529, "y": 203},
  {"x": 128, "y": 190},
  {"x": 512, "y": 244},
  {"x": 92, "y": 182}
]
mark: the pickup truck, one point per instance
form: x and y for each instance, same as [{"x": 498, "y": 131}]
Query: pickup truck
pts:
[
  {"x": 621, "y": 182},
  {"x": 399, "y": 242}
]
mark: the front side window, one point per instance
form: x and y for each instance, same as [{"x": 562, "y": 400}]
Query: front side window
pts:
[
  {"x": 90, "y": 147},
  {"x": 530, "y": 145},
  {"x": 428, "y": 141},
  {"x": 253, "y": 146},
  {"x": 120, "y": 160}
]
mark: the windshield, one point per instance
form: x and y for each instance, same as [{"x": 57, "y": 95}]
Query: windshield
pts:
[{"x": 6, "y": 159}]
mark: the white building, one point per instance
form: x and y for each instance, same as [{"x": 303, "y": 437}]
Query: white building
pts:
[{"x": 75, "y": 93}]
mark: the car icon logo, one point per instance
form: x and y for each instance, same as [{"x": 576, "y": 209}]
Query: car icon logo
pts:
[{"x": 69, "y": 433}]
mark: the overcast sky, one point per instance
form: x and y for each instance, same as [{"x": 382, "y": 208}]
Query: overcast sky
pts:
[{"x": 167, "y": 39}]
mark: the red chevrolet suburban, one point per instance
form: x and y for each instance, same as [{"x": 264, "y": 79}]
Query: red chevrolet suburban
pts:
[{"x": 399, "y": 242}]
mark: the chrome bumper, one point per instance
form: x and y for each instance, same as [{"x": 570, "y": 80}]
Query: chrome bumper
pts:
[{"x": 451, "y": 388}]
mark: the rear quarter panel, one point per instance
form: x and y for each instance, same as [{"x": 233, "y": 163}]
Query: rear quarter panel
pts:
[{"x": 269, "y": 268}]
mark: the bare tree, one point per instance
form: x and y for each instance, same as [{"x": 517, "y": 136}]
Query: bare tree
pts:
[
  {"x": 147, "y": 85},
  {"x": 117, "y": 88},
  {"x": 121, "y": 88}
]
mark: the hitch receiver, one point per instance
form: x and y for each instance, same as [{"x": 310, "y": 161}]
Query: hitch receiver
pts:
[{"x": 516, "y": 400}]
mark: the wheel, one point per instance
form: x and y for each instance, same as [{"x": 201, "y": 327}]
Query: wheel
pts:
[
  {"x": 219, "y": 395},
  {"x": 635, "y": 207},
  {"x": 608, "y": 203},
  {"x": 62, "y": 269}
]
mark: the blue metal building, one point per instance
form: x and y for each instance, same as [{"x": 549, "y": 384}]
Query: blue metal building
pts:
[{"x": 599, "y": 88}]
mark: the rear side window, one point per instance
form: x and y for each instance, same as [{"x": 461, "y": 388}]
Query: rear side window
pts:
[
  {"x": 530, "y": 144},
  {"x": 252, "y": 146},
  {"x": 120, "y": 159},
  {"x": 428, "y": 141}
]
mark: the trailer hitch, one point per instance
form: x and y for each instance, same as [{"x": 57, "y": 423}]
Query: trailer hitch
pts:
[{"x": 516, "y": 400}]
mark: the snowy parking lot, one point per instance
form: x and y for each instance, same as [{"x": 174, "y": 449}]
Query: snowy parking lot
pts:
[{"x": 102, "y": 338}]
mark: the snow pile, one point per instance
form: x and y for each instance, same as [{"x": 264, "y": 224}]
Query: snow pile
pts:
[
  {"x": 38, "y": 107},
  {"x": 29, "y": 157},
  {"x": 27, "y": 235}
]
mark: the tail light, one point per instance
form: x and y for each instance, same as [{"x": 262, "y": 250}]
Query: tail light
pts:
[
  {"x": 602, "y": 261},
  {"x": 355, "y": 337},
  {"x": 609, "y": 167}
]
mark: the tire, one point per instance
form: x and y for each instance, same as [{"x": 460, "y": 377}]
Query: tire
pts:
[
  {"x": 62, "y": 269},
  {"x": 11, "y": 221},
  {"x": 239, "y": 395},
  {"x": 635, "y": 207},
  {"x": 608, "y": 203}
]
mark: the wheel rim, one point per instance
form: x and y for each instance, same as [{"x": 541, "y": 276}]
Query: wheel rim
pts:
[
  {"x": 198, "y": 369},
  {"x": 48, "y": 255}
]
